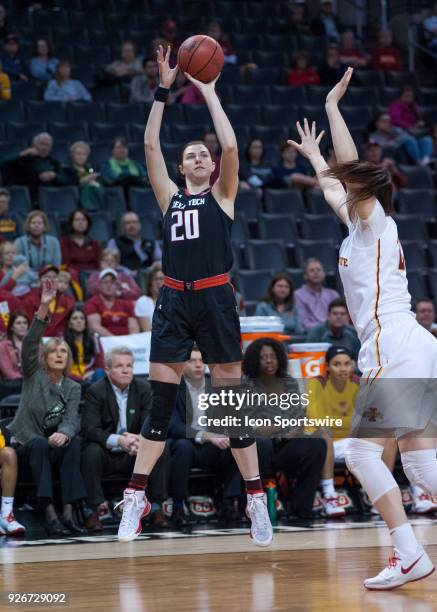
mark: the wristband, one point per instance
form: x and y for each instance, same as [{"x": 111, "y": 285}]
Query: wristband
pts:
[{"x": 161, "y": 94}]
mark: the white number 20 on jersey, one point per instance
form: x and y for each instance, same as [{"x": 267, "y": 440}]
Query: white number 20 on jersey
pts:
[{"x": 186, "y": 226}]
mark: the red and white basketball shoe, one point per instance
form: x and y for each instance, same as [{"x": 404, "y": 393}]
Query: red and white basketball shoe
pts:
[
  {"x": 400, "y": 571},
  {"x": 135, "y": 507}
]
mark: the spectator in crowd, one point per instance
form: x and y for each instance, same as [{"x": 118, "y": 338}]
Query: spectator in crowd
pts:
[
  {"x": 128, "y": 66},
  {"x": 86, "y": 363},
  {"x": 12, "y": 59},
  {"x": 8, "y": 469},
  {"x": 292, "y": 172},
  {"x": 168, "y": 31},
  {"x": 254, "y": 172},
  {"x": 79, "y": 252},
  {"x": 212, "y": 144},
  {"x": 301, "y": 72},
  {"x": 59, "y": 308},
  {"x": 350, "y": 54},
  {"x": 145, "y": 305},
  {"x": 5, "y": 85},
  {"x": 313, "y": 299},
  {"x": 65, "y": 283},
  {"x": 144, "y": 86},
  {"x": 425, "y": 315},
  {"x": 191, "y": 446},
  {"x": 46, "y": 423},
  {"x": 332, "y": 69},
  {"x": 405, "y": 114},
  {"x": 9, "y": 221},
  {"x": 191, "y": 95},
  {"x": 120, "y": 169},
  {"x": 34, "y": 166},
  {"x": 214, "y": 30},
  {"x": 385, "y": 55},
  {"x": 296, "y": 22},
  {"x": 8, "y": 304},
  {"x": 419, "y": 149},
  {"x": 107, "y": 314},
  {"x": 10, "y": 349},
  {"x": 135, "y": 251},
  {"x": 65, "y": 89},
  {"x": 3, "y": 22},
  {"x": 430, "y": 29},
  {"x": 279, "y": 302},
  {"x": 333, "y": 395},
  {"x": 127, "y": 288},
  {"x": 337, "y": 330},
  {"x": 327, "y": 23},
  {"x": 301, "y": 458},
  {"x": 373, "y": 153},
  {"x": 114, "y": 411},
  {"x": 81, "y": 173},
  {"x": 15, "y": 274},
  {"x": 43, "y": 64},
  {"x": 39, "y": 248}
]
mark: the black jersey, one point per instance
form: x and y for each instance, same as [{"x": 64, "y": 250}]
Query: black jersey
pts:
[{"x": 196, "y": 237}]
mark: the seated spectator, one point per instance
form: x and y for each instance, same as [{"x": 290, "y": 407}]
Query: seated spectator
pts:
[
  {"x": 86, "y": 365},
  {"x": 59, "y": 308},
  {"x": 425, "y": 315},
  {"x": 192, "y": 95},
  {"x": 385, "y": 55},
  {"x": 419, "y": 149},
  {"x": 313, "y": 299},
  {"x": 15, "y": 274},
  {"x": 79, "y": 252},
  {"x": 120, "y": 169},
  {"x": 9, "y": 221},
  {"x": 5, "y": 85},
  {"x": 107, "y": 314},
  {"x": 192, "y": 447},
  {"x": 128, "y": 66},
  {"x": 333, "y": 395},
  {"x": 43, "y": 64},
  {"x": 254, "y": 172},
  {"x": 168, "y": 31},
  {"x": 373, "y": 153},
  {"x": 39, "y": 248},
  {"x": 135, "y": 251},
  {"x": 65, "y": 283},
  {"x": 127, "y": 288},
  {"x": 331, "y": 70},
  {"x": 300, "y": 458},
  {"x": 212, "y": 144},
  {"x": 12, "y": 59},
  {"x": 144, "y": 86},
  {"x": 301, "y": 72},
  {"x": 430, "y": 29},
  {"x": 10, "y": 349},
  {"x": 291, "y": 173},
  {"x": 82, "y": 174},
  {"x": 404, "y": 113},
  {"x": 34, "y": 166},
  {"x": 350, "y": 54},
  {"x": 327, "y": 23},
  {"x": 214, "y": 30},
  {"x": 8, "y": 305},
  {"x": 145, "y": 305},
  {"x": 279, "y": 302},
  {"x": 4, "y": 28},
  {"x": 65, "y": 89},
  {"x": 46, "y": 423},
  {"x": 296, "y": 22},
  {"x": 337, "y": 330}
]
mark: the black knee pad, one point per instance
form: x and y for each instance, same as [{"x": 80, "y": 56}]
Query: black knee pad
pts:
[
  {"x": 155, "y": 427},
  {"x": 242, "y": 442}
]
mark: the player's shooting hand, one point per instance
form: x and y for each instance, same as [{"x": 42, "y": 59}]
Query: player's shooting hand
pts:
[
  {"x": 309, "y": 146},
  {"x": 337, "y": 92},
  {"x": 167, "y": 75}
]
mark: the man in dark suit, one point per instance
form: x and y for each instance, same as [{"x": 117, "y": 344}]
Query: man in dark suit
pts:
[{"x": 114, "y": 411}]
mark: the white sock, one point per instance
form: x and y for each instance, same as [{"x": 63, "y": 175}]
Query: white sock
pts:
[
  {"x": 404, "y": 540},
  {"x": 328, "y": 487},
  {"x": 7, "y": 506}
]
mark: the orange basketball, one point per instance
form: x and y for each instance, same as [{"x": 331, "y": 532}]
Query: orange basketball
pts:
[{"x": 202, "y": 57}]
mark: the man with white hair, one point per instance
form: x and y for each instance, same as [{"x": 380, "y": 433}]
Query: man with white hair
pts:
[{"x": 114, "y": 411}]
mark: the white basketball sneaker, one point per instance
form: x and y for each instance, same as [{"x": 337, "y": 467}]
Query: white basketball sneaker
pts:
[
  {"x": 423, "y": 504},
  {"x": 332, "y": 507},
  {"x": 400, "y": 571},
  {"x": 261, "y": 530},
  {"x": 135, "y": 507},
  {"x": 10, "y": 526}
]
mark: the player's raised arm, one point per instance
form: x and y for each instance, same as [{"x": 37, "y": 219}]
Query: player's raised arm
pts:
[
  {"x": 344, "y": 146},
  {"x": 332, "y": 189},
  {"x": 163, "y": 187},
  {"x": 226, "y": 187}
]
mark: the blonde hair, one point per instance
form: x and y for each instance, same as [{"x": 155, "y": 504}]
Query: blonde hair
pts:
[
  {"x": 110, "y": 253},
  {"x": 32, "y": 215},
  {"x": 49, "y": 347},
  {"x": 63, "y": 274},
  {"x": 80, "y": 144}
]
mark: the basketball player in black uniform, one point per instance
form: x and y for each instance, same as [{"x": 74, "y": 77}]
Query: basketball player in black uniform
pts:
[{"x": 196, "y": 303}]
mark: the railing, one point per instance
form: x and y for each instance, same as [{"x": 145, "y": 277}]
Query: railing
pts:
[{"x": 414, "y": 46}]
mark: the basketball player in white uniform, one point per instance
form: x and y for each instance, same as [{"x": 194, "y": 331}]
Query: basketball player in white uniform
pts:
[{"x": 395, "y": 348}]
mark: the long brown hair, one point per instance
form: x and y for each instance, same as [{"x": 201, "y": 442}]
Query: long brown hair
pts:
[
  {"x": 270, "y": 297},
  {"x": 374, "y": 181}
]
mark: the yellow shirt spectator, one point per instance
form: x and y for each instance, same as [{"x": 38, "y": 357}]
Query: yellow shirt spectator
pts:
[
  {"x": 329, "y": 399},
  {"x": 5, "y": 87}
]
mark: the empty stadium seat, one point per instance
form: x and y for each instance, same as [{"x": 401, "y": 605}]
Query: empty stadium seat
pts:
[
  {"x": 100, "y": 153},
  {"x": 432, "y": 252},
  {"x": 185, "y": 133},
  {"x": 270, "y": 134},
  {"x": 417, "y": 285},
  {"x": 114, "y": 201},
  {"x": 68, "y": 132},
  {"x": 277, "y": 227},
  {"x": 357, "y": 117},
  {"x": 106, "y": 132},
  {"x": 45, "y": 111},
  {"x": 252, "y": 94},
  {"x": 248, "y": 203},
  {"x": 253, "y": 283},
  {"x": 415, "y": 255},
  {"x": 125, "y": 113},
  {"x": 12, "y": 110},
  {"x": 284, "y": 94},
  {"x": 102, "y": 227},
  {"x": 316, "y": 94},
  {"x": 20, "y": 199},
  {"x": 86, "y": 111},
  {"x": 243, "y": 114},
  {"x": 62, "y": 200},
  {"x": 280, "y": 114},
  {"x": 358, "y": 96},
  {"x": 317, "y": 205},
  {"x": 265, "y": 254},
  {"x": 284, "y": 201},
  {"x": 262, "y": 76},
  {"x": 411, "y": 227},
  {"x": 321, "y": 227},
  {"x": 368, "y": 78},
  {"x": 417, "y": 202},
  {"x": 197, "y": 113},
  {"x": 399, "y": 78},
  {"x": 296, "y": 275},
  {"x": 432, "y": 278},
  {"x": 320, "y": 249},
  {"x": 143, "y": 201},
  {"x": 23, "y": 132},
  {"x": 419, "y": 177},
  {"x": 150, "y": 227},
  {"x": 240, "y": 231}
]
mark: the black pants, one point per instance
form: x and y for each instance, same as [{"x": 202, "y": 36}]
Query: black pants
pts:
[
  {"x": 302, "y": 458},
  {"x": 98, "y": 462},
  {"x": 187, "y": 454},
  {"x": 42, "y": 458}
]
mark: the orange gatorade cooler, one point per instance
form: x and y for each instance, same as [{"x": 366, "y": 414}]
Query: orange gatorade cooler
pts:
[
  {"x": 253, "y": 328},
  {"x": 308, "y": 359}
]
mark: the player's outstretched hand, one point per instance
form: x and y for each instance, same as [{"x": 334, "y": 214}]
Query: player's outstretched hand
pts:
[
  {"x": 167, "y": 75},
  {"x": 204, "y": 88},
  {"x": 309, "y": 146},
  {"x": 337, "y": 92}
]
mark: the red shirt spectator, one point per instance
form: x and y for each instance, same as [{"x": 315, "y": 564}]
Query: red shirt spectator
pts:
[
  {"x": 8, "y": 303},
  {"x": 385, "y": 55},
  {"x": 10, "y": 349},
  {"x": 301, "y": 72},
  {"x": 127, "y": 288},
  {"x": 78, "y": 251}
]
